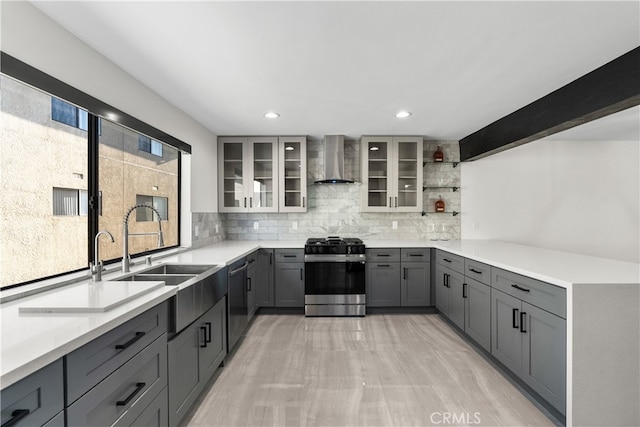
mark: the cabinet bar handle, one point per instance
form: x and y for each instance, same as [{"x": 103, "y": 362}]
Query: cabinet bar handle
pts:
[
  {"x": 396, "y": 202},
  {"x": 245, "y": 202},
  {"x": 446, "y": 280},
  {"x": 16, "y": 416},
  {"x": 204, "y": 337},
  {"x": 139, "y": 387},
  {"x": 514, "y": 319},
  {"x": 464, "y": 290},
  {"x": 303, "y": 202},
  {"x": 473, "y": 270},
  {"x": 248, "y": 284},
  {"x": 288, "y": 256},
  {"x": 523, "y": 318},
  {"x": 417, "y": 255},
  {"x": 130, "y": 342},
  {"x": 301, "y": 274},
  {"x": 208, "y": 331},
  {"x": 390, "y": 202},
  {"x": 250, "y": 202},
  {"x": 520, "y": 289},
  {"x": 383, "y": 254},
  {"x": 446, "y": 260},
  {"x": 270, "y": 258},
  {"x": 404, "y": 273},
  {"x": 383, "y": 265}
]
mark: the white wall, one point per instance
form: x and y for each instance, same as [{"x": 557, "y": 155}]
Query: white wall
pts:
[
  {"x": 577, "y": 196},
  {"x": 32, "y": 37}
]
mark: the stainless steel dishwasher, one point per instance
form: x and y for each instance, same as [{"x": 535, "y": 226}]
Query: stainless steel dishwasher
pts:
[{"x": 237, "y": 303}]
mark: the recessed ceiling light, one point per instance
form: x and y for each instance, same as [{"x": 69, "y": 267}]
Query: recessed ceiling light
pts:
[
  {"x": 403, "y": 114},
  {"x": 271, "y": 115}
]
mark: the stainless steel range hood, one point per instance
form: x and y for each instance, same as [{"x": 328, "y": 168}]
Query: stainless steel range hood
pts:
[{"x": 334, "y": 161}]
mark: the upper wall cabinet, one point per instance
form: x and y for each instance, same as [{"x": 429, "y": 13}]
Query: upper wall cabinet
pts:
[
  {"x": 392, "y": 172},
  {"x": 247, "y": 174},
  {"x": 293, "y": 174},
  {"x": 262, "y": 174}
]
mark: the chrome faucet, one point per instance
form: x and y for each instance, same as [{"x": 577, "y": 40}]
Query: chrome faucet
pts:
[
  {"x": 126, "y": 261},
  {"x": 95, "y": 267}
]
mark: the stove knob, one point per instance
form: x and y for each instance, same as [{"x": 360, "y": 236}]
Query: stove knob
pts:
[
  {"x": 321, "y": 249},
  {"x": 314, "y": 249},
  {"x": 361, "y": 249},
  {"x": 334, "y": 250}
]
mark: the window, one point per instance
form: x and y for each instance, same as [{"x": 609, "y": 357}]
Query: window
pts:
[
  {"x": 149, "y": 145},
  {"x": 159, "y": 203},
  {"x": 68, "y": 114},
  {"x": 70, "y": 202},
  {"x": 61, "y": 184}
]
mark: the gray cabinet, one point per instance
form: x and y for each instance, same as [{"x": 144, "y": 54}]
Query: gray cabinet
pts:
[
  {"x": 35, "y": 399},
  {"x": 194, "y": 355},
  {"x": 442, "y": 290},
  {"x": 531, "y": 342},
  {"x": 289, "y": 278},
  {"x": 415, "y": 289},
  {"x": 155, "y": 415},
  {"x": 477, "y": 312},
  {"x": 122, "y": 396},
  {"x": 382, "y": 277},
  {"x": 265, "y": 293}
]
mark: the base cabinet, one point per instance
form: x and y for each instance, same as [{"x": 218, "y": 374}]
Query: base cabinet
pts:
[
  {"x": 289, "y": 278},
  {"x": 449, "y": 294},
  {"x": 531, "y": 343},
  {"x": 477, "y": 312},
  {"x": 194, "y": 355},
  {"x": 383, "y": 284},
  {"x": 265, "y": 289}
]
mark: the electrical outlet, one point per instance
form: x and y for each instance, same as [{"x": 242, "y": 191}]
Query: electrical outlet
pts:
[
  {"x": 294, "y": 225},
  {"x": 196, "y": 231},
  {"x": 217, "y": 228},
  {"x": 394, "y": 225},
  {"x": 255, "y": 225}
]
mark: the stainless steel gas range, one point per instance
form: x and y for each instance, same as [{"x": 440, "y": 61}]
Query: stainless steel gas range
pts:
[{"x": 334, "y": 282}]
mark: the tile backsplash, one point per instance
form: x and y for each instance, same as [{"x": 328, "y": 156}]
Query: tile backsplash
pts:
[{"x": 335, "y": 210}]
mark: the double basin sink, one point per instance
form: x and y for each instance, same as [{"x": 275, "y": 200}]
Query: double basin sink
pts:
[{"x": 205, "y": 285}]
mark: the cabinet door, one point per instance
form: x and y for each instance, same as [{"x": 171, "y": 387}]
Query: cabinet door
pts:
[
  {"x": 289, "y": 284},
  {"x": 456, "y": 298},
  {"x": 232, "y": 184},
  {"x": 506, "y": 342},
  {"x": 442, "y": 291},
  {"x": 213, "y": 345},
  {"x": 544, "y": 354},
  {"x": 377, "y": 174},
  {"x": 262, "y": 180},
  {"x": 383, "y": 284},
  {"x": 251, "y": 285},
  {"x": 477, "y": 314},
  {"x": 407, "y": 171},
  {"x": 415, "y": 290},
  {"x": 264, "y": 282},
  {"x": 183, "y": 352},
  {"x": 293, "y": 174}
]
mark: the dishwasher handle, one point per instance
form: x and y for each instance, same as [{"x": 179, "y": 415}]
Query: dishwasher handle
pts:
[{"x": 239, "y": 270}]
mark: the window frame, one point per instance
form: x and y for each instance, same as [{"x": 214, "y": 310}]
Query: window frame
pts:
[{"x": 26, "y": 74}]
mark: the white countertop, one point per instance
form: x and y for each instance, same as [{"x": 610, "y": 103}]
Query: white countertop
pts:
[{"x": 30, "y": 341}]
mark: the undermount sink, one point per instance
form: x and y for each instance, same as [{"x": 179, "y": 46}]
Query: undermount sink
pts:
[
  {"x": 193, "y": 269},
  {"x": 168, "y": 279}
]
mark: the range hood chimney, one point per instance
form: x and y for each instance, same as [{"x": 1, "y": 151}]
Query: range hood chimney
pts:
[{"x": 334, "y": 161}]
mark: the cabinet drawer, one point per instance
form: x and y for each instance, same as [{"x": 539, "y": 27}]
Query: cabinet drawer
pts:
[
  {"x": 383, "y": 255},
  {"x": 94, "y": 361},
  {"x": 449, "y": 260},
  {"x": 156, "y": 414},
  {"x": 477, "y": 271},
  {"x": 124, "y": 394},
  {"x": 35, "y": 399},
  {"x": 415, "y": 255},
  {"x": 289, "y": 255},
  {"x": 540, "y": 294}
]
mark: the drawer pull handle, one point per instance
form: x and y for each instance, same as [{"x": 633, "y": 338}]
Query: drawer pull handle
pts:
[
  {"x": 130, "y": 342},
  {"x": 417, "y": 255},
  {"x": 446, "y": 260},
  {"x": 520, "y": 289},
  {"x": 204, "y": 337},
  {"x": 139, "y": 387},
  {"x": 384, "y": 265},
  {"x": 404, "y": 273},
  {"x": 523, "y": 318},
  {"x": 515, "y": 319},
  {"x": 464, "y": 290},
  {"x": 473, "y": 270},
  {"x": 16, "y": 416},
  {"x": 288, "y": 256},
  {"x": 383, "y": 254},
  {"x": 208, "y": 331}
]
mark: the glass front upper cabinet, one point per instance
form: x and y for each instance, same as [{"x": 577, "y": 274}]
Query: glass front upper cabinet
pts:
[
  {"x": 248, "y": 174},
  {"x": 392, "y": 171},
  {"x": 293, "y": 174}
]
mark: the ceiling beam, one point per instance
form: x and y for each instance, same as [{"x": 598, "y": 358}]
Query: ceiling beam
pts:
[{"x": 606, "y": 90}]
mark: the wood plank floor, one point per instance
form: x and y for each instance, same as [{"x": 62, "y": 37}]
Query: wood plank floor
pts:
[{"x": 380, "y": 370}]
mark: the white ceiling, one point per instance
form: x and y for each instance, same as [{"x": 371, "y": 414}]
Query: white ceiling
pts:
[{"x": 336, "y": 67}]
